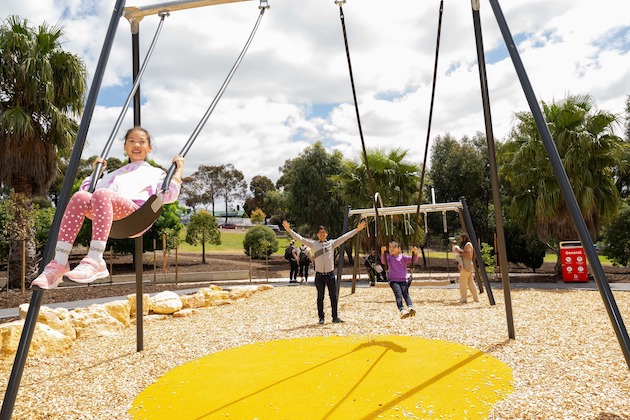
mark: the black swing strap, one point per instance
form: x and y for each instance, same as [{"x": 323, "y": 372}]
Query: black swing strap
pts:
[
  {"x": 108, "y": 145},
  {"x": 373, "y": 193},
  {"x": 426, "y": 145}
]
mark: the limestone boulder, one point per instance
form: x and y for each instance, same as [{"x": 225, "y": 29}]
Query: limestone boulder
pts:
[
  {"x": 56, "y": 318},
  {"x": 46, "y": 341},
  {"x": 165, "y": 303},
  {"x": 119, "y": 309},
  {"x": 95, "y": 321},
  {"x": 214, "y": 297},
  {"x": 184, "y": 313},
  {"x": 242, "y": 292},
  {"x": 194, "y": 300},
  {"x": 132, "y": 304}
]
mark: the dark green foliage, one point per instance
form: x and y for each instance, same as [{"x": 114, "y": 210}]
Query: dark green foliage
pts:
[
  {"x": 459, "y": 168},
  {"x": 202, "y": 229},
  {"x": 523, "y": 249},
  {"x": 309, "y": 190},
  {"x": 43, "y": 222},
  {"x": 615, "y": 238},
  {"x": 261, "y": 241}
]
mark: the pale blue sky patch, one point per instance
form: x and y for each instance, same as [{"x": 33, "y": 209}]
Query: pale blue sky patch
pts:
[
  {"x": 116, "y": 95},
  {"x": 616, "y": 39},
  {"x": 320, "y": 110},
  {"x": 500, "y": 53}
]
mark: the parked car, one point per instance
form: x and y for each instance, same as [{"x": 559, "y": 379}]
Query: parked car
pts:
[{"x": 228, "y": 226}]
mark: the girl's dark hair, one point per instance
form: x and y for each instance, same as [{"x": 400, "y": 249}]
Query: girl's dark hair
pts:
[{"x": 138, "y": 128}]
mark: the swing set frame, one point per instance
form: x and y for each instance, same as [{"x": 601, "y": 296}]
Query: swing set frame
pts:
[{"x": 136, "y": 14}]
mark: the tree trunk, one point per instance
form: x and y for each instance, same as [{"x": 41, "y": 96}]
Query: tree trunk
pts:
[
  {"x": 203, "y": 247},
  {"x": 23, "y": 229}
]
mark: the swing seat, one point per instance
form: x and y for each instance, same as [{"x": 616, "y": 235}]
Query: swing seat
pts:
[{"x": 139, "y": 221}]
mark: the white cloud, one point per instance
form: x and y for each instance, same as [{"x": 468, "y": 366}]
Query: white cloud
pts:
[{"x": 297, "y": 63}]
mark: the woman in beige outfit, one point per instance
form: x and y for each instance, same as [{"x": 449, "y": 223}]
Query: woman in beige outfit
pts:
[{"x": 466, "y": 268}]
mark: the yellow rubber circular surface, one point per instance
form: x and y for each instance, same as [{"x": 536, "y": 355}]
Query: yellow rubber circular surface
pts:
[{"x": 333, "y": 378}]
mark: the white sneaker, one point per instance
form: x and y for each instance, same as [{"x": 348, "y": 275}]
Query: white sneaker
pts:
[{"x": 88, "y": 270}]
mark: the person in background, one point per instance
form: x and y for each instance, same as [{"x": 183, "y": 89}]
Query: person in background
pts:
[
  {"x": 323, "y": 251},
  {"x": 467, "y": 252},
  {"x": 374, "y": 267},
  {"x": 117, "y": 195},
  {"x": 397, "y": 263},
  {"x": 304, "y": 257},
  {"x": 291, "y": 254}
]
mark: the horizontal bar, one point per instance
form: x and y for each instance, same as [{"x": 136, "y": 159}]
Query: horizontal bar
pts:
[
  {"x": 424, "y": 208},
  {"x": 137, "y": 13}
]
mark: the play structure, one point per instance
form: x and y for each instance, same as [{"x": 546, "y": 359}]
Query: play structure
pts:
[
  {"x": 144, "y": 218},
  {"x": 460, "y": 208}
]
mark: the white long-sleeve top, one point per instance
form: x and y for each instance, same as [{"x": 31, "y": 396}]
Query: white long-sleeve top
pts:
[
  {"x": 136, "y": 181},
  {"x": 323, "y": 252}
]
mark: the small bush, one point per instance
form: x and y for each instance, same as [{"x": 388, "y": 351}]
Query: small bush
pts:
[{"x": 262, "y": 242}]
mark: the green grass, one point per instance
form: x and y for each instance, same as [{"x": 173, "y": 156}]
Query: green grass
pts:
[{"x": 231, "y": 243}]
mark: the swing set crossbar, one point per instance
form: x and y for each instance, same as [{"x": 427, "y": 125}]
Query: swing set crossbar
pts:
[{"x": 424, "y": 208}]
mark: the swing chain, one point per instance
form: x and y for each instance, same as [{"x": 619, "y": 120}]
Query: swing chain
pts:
[{"x": 263, "y": 5}]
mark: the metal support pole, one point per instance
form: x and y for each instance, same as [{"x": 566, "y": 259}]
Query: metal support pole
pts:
[
  {"x": 465, "y": 214},
  {"x": 137, "y": 121},
  {"x": 66, "y": 189},
  {"x": 355, "y": 269},
  {"x": 342, "y": 249},
  {"x": 494, "y": 179},
  {"x": 139, "y": 295},
  {"x": 565, "y": 187}
]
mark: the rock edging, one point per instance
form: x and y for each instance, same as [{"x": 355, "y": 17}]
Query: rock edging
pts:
[{"x": 57, "y": 328}]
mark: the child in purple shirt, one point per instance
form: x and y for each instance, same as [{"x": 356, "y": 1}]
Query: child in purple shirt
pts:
[{"x": 397, "y": 263}]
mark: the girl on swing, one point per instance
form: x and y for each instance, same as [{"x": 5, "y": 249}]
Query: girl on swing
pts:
[
  {"x": 117, "y": 195},
  {"x": 397, "y": 263}
]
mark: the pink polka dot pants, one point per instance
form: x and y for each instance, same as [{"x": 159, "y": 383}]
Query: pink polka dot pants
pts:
[{"x": 102, "y": 207}]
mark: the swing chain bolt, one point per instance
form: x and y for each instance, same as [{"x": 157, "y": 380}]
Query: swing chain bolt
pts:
[{"x": 263, "y": 5}]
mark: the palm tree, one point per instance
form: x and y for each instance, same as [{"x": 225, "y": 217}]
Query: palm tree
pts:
[
  {"x": 42, "y": 88},
  {"x": 590, "y": 153},
  {"x": 396, "y": 180}
]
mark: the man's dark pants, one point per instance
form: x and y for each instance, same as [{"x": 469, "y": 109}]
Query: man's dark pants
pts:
[{"x": 323, "y": 280}]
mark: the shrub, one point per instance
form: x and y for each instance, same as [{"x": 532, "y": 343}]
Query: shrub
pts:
[{"x": 262, "y": 242}]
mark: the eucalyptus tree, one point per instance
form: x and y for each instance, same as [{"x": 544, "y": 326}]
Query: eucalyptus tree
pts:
[
  {"x": 591, "y": 153},
  {"x": 232, "y": 185},
  {"x": 308, "y": 190},
  {"x": 42, "y": 89},
  {"x": 459, "y": 168},
  {"x": 259, "y": 186}
]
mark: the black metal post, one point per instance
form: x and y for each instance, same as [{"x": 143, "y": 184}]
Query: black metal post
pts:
[
  {"x": 342, "y": 249},
  {"x": 565, "y": 187},
  {"x": 36, "y": 299},
  {"x": 494, "y": 179},
  {"x": 465, "y": 214},
  {"x": 135, "y": 52}
]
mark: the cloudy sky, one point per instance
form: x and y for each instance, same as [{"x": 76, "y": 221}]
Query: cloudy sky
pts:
[{"x": 293, "y": 88}]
